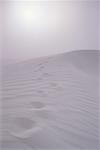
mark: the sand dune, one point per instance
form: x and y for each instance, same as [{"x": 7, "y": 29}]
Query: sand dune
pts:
[{"x": 51, "y": 103}]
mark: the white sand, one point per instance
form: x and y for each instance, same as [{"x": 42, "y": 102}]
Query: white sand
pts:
[{"x": 51, "y": 103}]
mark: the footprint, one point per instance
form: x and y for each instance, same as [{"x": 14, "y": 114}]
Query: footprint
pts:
[
  {"x": 40, "y": 64},
  {"x": 23, "y": 123},
  {"x": 46, "y": 75},
  {"x": 44, "y": 114},
  {"x": 37, "y": 104},
  {"x": 39, "y": 79},
  {"x": 41, "y": 93},
  {"x": 53, "y": 84},
  {"x": 41, "y": 67},
  {"x": 23, "y": 127}
]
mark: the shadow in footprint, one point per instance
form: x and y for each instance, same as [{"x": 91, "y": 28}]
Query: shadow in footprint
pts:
[
  {"x": 46, "y": 74},
  {"x": 37, "y": 104},
  {"x": 44, "y": 114},
  {"x": 39, "y": 79},
  {"x": 22, "y": 123},
  {"x": 53, "y": 84},
  {"x": 41, "y": 93}
]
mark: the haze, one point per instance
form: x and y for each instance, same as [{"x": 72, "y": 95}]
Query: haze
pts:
[{"x": 40, "y": 28}]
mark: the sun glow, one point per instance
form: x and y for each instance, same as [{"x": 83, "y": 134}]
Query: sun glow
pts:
[
  {"x": 36, "y": 16},
  {"x": 31, "y": 15}
]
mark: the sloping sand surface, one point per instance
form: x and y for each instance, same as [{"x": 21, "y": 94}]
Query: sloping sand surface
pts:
[{"x": 51, "y": 103}]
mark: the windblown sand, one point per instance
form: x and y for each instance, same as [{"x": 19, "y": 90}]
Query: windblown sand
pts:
[{"x": 51, "y": 103}]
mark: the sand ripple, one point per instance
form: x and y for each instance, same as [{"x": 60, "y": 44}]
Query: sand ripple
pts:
[{"x": 52, "y": 102}]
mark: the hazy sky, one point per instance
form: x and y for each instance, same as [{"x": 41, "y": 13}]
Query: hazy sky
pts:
[{"x": 34, "y": 29}]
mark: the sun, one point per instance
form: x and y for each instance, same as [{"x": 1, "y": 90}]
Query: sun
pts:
[
  {"x": 27, "y": 14},
  {"x": 35, "y": 17},
  {"x": 32, "y": 15}
]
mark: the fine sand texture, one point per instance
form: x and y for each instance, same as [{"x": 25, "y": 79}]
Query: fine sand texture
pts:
[{"x": 51, "y": 103}]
